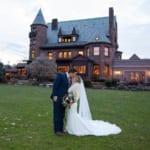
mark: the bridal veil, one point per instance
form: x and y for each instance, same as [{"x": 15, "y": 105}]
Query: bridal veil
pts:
[{"x": 84, "y": 109}]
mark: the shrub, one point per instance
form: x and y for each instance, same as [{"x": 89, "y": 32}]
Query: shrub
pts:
[
  {"x": 87, "y": 83},
  {"x": 112, "y": 82},
  {"x": 108, "y": 83}
]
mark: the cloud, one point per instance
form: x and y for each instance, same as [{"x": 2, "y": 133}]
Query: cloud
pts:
[
  {"x": 137, "y": 40},
  {"x": 16, "y": 17}
]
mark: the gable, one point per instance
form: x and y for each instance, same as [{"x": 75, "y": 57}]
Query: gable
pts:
[
  {"x": 134, "y": 57},
  {"x": 81, "y": 58}
]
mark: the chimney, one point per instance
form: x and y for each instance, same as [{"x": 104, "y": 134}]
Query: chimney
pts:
[
  {"x": 54, "y": 24},
  {"x": 111, "y": 17}
]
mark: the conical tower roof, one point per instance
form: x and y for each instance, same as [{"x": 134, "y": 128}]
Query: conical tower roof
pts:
[{"x": 39, "y": 19}]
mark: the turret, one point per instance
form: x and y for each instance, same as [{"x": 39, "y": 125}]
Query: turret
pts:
[{"x": 38, "y": 35}]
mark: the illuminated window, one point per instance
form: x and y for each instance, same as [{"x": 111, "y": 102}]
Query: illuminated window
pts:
[
  {"x": 96, "y": 69},
  {"x": 80, "y": 52},
  {"x": 59, "y": 40},
  {"x": 80, "y": 69},
  {"x": 97, "y": 38},
  {"x": 63, "y": 68},
  {"x": 69, "y": 40},
  {"x": 60, "y": 54},
  {"x": 96, "y": 51},
  {"x": 22, "y": 71},
  {"x": 69, "y": 54},
  {"x": 117, "y": 72},
  {"x": 65, "y": 54},
  {"x": 136, "y": 76},
  {"x": 33, "y": 54},
  {"x": 106, "y": 51},
  {"x": 106, "y": 70},
  {"x": 66, "y": 40},
  {"x": 73, "y": 38},
  {"x": 50, "y": 55}
]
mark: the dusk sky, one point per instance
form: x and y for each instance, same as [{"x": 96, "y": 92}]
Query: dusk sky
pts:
[{"x": 133, "y": 18}]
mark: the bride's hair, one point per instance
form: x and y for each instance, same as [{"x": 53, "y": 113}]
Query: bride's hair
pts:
[{"x": 78, "y": 78}]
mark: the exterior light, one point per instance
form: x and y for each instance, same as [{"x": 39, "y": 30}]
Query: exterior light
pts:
[{"x": 117, "y": 72}]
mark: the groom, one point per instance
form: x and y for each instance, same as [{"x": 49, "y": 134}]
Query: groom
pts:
[{"x": 60, "y": 88}]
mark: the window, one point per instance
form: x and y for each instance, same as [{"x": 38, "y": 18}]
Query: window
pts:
[
  {"x": 96, "y": 69},
  {"x": 33, "y": 54},
  {"x": 50, "y": 55},
  {"x": 69, "y": 40},
  {"x": 66, "y": 39},
  {"x": 69, "y": 54},
  {"x": 63, "y": 68},
  {"x": 59, "y": 40},
  {"x": 106, "y": 51},
  {"x": 97, "y": 38},
  {"x": 96, "y": 51},
  {"x": 65, "y": 54},
  {"x": 137, "y": 76},
  {"x": 73, "y": 38},
  {"x": 22, "y": 71},
  {"x": 80, "y": 52},
  {"x": 80, "y": 69},
  {"x": 60, "y": 54},
  {"x": 106, "y": 71}
]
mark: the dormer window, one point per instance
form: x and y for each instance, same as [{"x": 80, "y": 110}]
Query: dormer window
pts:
[
  {"x": 59, "y": 40},
  {"x": 67, "y": 38},
  {"x": 73, "y": 38},
  {"x": 97, "y": 38}
]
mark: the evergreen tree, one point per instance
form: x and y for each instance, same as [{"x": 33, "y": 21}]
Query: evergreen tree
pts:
[{"x": 2, "y": 73}]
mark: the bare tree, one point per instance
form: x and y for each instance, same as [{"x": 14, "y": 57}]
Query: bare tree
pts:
[{"x": 42, "y": 68}]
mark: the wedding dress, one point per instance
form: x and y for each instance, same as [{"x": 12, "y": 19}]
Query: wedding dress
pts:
[{"x": 79, "y": 121}]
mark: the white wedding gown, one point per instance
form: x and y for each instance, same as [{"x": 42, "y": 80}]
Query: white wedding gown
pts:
[{"x": 81, "y": 126}]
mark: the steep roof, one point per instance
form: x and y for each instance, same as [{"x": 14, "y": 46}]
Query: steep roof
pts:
[
  {"x": 39, "y": 19},
  {"x": 134, "y": 57},
  {"x": 87, "y": 29}
]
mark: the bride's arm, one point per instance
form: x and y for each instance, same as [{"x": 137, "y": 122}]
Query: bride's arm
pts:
[{"x": 76, "y": 93}]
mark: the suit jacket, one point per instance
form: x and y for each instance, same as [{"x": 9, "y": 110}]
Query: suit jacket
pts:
[{"x": 60, "y": 86}]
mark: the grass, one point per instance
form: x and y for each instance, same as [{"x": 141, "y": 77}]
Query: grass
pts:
[{"x": 26, "y": 120}]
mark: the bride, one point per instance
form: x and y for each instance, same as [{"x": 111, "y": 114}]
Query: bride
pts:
[{"x": 79, "y": 121}]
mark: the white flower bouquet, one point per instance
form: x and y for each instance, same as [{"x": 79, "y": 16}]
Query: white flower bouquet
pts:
[{"x": 68, "y": 99}]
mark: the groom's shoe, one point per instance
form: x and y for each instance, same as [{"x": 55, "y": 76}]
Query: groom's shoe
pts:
[{"x": 59, "y": 133}]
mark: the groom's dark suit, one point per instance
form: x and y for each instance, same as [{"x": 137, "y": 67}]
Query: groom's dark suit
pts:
[{"x": 60, "y": 88}]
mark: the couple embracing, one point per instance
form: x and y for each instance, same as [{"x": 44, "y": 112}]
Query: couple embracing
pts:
[{"x": 78, "y": 116}]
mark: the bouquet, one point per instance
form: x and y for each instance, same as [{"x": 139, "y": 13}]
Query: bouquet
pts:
[{"x": 68, "y": 99}]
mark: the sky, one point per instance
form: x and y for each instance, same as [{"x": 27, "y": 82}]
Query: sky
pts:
[{"x": 16, "y": 16}]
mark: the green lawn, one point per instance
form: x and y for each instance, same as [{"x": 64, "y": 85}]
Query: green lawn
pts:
[{"x": 26, "y": 120}]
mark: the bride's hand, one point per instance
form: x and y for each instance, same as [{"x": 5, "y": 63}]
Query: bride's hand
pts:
[
  {"x": 69, "y": 105},
  {"x": 55, "y": 98}
]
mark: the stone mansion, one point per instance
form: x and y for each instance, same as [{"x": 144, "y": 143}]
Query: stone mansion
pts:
[{"x": 88, "y": 45}]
